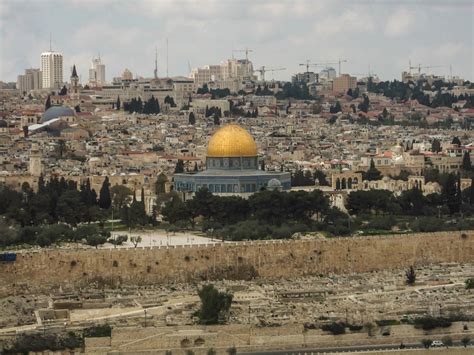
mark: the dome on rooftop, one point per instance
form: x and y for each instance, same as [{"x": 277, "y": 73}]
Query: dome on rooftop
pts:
[
  {"x": 56, "y": 112},
  {"x": 232, "y": 141}
]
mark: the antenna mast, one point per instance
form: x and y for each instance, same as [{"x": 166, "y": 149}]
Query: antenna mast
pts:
[
  {"x": 156, "y": 62},
  {"x": 50, "y": 41},
  {"x": 167, "y": 75}
]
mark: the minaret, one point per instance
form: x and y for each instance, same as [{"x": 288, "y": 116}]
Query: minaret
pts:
[
  {"x": 74, "y": 83},
  {"x": 35, "y": 167}
]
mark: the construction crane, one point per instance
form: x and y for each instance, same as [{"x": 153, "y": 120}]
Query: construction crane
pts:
[
  {"x": 419, "y": 67},
  {"x": 246, "y": 50},
  {"x": 309, "y": 64},
  {"x": 368, "y": 74},
  {"x": 263, "y": 70},
  {"x": 316, "y": 64}
]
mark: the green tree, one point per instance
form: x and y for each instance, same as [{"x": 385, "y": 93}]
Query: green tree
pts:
[
  {"x": 120, "y": 196},
  {"x": 96, "y": 239},
  {"x": 214, "y": 304},
  {"x": 466, "y": 161},
  {"x": 202, "y": 203},
  {"x": 436, "y": 146},
  {"x": 48, "y": 103},
  {"x": 471, "y": 192},
  {"x": 410, "y": 276},
  {"x": 104, "y": 194},
  {"x": 373, "y": 173},
  {"x": 469, "y": 283},
  {"x": 456, "y": 141},
  {"x": 60, "y": 148},
  {"x": 63, "y": 91},
  {"x": 336, "y": 108},
  {"x": 192, "y": 118},
  {"x": 160, "y": 185},
  {"x": 136, "y": 240},
  {"x": 118, "y": 104},
  {"x": 175, "y": 210},
  {"x": 465, "y": 341},
  {"x": 365, "y": 104},
  {"x": 449, "y": 193},
  {"x": 320, "y": 176},
  {"x": 179, "y": 168}
]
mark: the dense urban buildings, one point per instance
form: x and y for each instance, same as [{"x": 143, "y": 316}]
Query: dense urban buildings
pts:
[{"x": 281, "y": 201}]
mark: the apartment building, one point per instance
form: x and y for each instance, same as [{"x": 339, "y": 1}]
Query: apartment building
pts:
[
  {"x": 52, "y": 70},
  {"x": 31, "y": 80}
]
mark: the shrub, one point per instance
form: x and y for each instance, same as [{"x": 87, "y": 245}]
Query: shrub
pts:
[
  {"x": 447, "y": 340},
  {"x": 335, "y": 328},
  {"x": 387, "y": 322},
  {"x": 411, "y": 276},
  {"x": 355, "y": 327},
  {"x": 232, "y": 351},
  {"x": 426, "y": 224},
  {"x": 470, "y": 283},
  {"x": 382, "y": 222},
  {"x": 426, "y": 343},
  {"x": 465, "y": 341},
  {"x": 429, "y": 323},
  {"x": 97, "y": 331},
  {"x": 41, "y": 342}
]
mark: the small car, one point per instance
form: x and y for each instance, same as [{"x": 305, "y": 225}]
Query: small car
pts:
[{"x": 437, "y": 343}]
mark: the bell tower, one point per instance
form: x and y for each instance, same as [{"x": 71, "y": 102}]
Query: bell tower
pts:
[{"x": 74, "y": 84}]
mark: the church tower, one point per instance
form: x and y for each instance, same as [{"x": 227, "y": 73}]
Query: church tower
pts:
[
  {"x": 35, "y": 167},
  {"x": 74, "y": 84}
]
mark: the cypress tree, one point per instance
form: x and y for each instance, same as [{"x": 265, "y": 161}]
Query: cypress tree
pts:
[
  {"x": 471, "y": 195},
  {"x": 192, "y": 118},
  {"x": 179, "y": 167},
  {"x": 48, "y": 103},
  {"x": 117, "y": 104},
  {"x": 104, "y": 194},
  {"x": 466, "y": 161}
]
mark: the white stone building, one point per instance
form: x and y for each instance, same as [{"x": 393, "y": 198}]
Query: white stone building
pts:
[{"x": 52, "y": 70}]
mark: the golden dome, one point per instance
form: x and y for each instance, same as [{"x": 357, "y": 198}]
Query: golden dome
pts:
[{"x": 231, "y": 141}]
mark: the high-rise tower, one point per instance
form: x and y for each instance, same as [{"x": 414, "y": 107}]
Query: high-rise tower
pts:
[
  {"x": 52, "y": 69},
  {"x": 97, "y": 72}
]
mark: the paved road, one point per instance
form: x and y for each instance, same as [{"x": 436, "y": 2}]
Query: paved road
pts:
[{"x": 314, "y": 351}]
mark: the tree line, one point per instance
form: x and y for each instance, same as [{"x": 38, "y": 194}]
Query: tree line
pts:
[
  {"x": 61, "y": 201},
  {"x": 266, "y": 213},
  {"x": 151, "y": 106},
  {"x": 415, "y": 91}
]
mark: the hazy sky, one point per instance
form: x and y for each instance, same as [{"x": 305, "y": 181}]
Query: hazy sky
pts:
[{"x": 382, "y": 34}]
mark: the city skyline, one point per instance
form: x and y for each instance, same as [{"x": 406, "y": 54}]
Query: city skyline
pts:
[{"x": 126, "y": 35}]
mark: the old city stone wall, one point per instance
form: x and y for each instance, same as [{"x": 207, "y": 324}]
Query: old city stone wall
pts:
[{"x": 47, "y": 270}]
